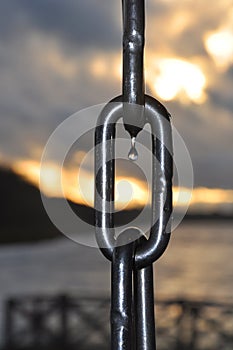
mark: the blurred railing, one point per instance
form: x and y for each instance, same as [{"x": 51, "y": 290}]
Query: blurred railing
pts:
[{"x": 65, "y": 322}]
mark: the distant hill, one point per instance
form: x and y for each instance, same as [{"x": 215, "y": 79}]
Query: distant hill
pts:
[
  {"x": 206, "y": 217},
  {"x": 23, "y": 217}
]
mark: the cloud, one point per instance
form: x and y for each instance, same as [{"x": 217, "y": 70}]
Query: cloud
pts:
[
  {"x": 77, "y": 24},
  {"x": 41, "y": 85},
  {"x": 178, "y": 26},
  {"x": 57, "y": 57},
  {"x": 207, "y": 131}
]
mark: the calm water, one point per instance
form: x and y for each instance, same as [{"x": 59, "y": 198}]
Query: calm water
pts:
[{"x": 198, "y": 264}]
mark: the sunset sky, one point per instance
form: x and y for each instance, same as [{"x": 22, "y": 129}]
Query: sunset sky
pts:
[{"x": 57, "y": 57}]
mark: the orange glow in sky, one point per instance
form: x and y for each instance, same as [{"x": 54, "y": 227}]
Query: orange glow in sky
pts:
[
  {"x": 106, "y": 66},
  {"x": 219, "y": 45},
  {"x": 171, "y": 78},
  {"x": 130, "y": 192},
  {"x": 168, "y": 77}
]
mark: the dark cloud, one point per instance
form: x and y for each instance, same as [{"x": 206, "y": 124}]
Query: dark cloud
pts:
[
  {"x": 207, "y": 133},
  {"x": 76, "y": 23},
  {"x": 189, "y": 43},
  {"x": 220, "y": 91},
  {"x": 216, "y": 170}
]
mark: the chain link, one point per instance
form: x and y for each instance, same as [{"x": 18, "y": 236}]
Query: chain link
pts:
[{"x": 132, "y": 255}]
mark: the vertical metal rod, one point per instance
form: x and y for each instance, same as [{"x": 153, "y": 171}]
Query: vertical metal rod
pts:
[
  {"x": 144, "y": 308},
  {"x": 133, "y": 59},
  {"x": 121, "y": 307},
  {"x": 132, "y": 311},
  {"x": 133, "y": 47}
]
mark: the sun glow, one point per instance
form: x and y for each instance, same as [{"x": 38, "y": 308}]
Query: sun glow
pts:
[
  {"x": 211, "y": 196},
  {"x": 130, "y": 192},
  {"x": 219, "y": 45},
  {"x": 172, "y": 78},
  {"x": 98, "y": 67},
  {"x": 169, "y": 78},
  {"x": 55, "y": 182},
  {"x": 102, "y": 64},
  {"x": 29, "y": 169}
]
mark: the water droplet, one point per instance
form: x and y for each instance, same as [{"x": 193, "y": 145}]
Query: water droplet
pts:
[{"x": 133, "y": 154}]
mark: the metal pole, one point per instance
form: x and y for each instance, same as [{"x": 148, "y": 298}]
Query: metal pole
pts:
[
  {"x": 133, "y": 59},
  {"x": 122, "y": 296},
  {"x": 132, "y": 308},
  {"x": 144, "y": 309}
]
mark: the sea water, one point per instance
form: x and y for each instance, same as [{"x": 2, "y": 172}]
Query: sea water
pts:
[{"x": 197, "y": 265}]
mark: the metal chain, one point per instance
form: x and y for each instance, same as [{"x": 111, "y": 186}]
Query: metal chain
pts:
[
  {"x": 133, "y": 57},
  {"x": 132, "y": 256}
]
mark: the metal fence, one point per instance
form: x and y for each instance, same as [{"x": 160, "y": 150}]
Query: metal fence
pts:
[{"x": 67, "y": 322}]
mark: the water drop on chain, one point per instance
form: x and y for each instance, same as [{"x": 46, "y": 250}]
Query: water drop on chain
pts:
[{"x": 133, "y": 154}]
